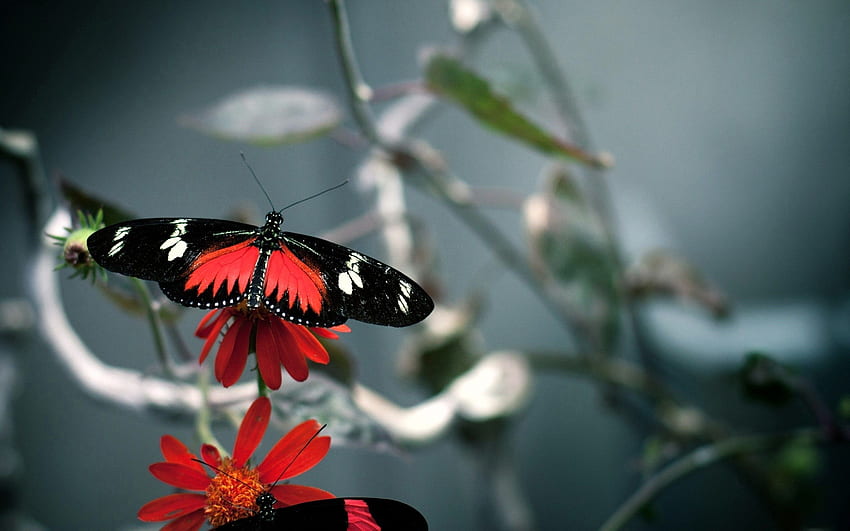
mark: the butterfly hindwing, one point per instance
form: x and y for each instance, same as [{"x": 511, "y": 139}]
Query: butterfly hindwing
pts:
[
  {"x": 338, "y": 514},
  {"x": 358, "y": 286}
]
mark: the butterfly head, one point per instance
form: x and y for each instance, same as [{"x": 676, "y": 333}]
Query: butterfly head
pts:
[
  {"x": 265, "y": 504},
  {"x": 274, "y": 219}
]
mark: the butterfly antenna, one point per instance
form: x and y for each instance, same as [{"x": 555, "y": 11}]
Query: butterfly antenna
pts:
[
  {"x": 282, "y": 472},
  {"x": 332, "y": 188},
  {"x": 257, "y": 179}
]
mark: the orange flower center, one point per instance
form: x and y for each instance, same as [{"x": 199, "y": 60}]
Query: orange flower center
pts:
[{"x": 232, "y": 494}]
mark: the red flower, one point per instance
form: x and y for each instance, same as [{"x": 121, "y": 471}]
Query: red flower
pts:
[
  {"x": 231, "y": 494},
  {"x": 277, "y": 342}
]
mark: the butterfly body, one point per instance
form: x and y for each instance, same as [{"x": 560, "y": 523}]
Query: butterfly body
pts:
[
  {"x": 335, "y": 514},
  {"x": 209, "y": 263}
]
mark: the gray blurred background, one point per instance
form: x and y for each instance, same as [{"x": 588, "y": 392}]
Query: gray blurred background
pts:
[{"x": 729, "y": 123}]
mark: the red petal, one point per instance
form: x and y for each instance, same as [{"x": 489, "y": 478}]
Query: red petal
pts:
[
  {"x": 329, "y": 332},
  {"x": 284, "y": 460},
  {"x": 171, "y": 506},
  {"x": 175, "y": 451},
  {"x": 233, "y": 352},
  {"x": 323, "y": 332},
  {"x": 268, "y": 362},
  {"x": 294, "y": 494},
  {"x": 211, "y": 455},
  {"x": 203, "y": 330},
  {"x": 213, "y": 332},
  {"x": 179, "y": 475},
  {"x": 190, "y": 522},
  {"x": 251, "y": 430},
  {"x": 288, "y": 352},
  {"x": 309, "y": 345}
]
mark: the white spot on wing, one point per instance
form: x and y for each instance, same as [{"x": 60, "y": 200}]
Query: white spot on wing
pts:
[
  {"x": 402, "y": 304},
  {"x": 116, "y": 248},
  {"x": 406, "y": 288},
  {"x": 177, "y": 250},
  {"x": 170, "y": 242},
  {"x": 120, "y": 233},
  {"x": 344, "y": 283}
]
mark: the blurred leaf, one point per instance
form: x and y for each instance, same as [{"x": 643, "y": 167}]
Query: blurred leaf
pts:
[
  {"x": 447, "y": 77},
  {"x": 793, "y": 472},
  {"x": 764, "y": 380},
  {"x": 80, "y": 200},
  {"x": 330, "y": 403},
  {"x": 661, "y": 273},
  {"x": 844, "y": 407},
  {"x": 269, "y": 116},
  {"x": 570, "y": 255}
]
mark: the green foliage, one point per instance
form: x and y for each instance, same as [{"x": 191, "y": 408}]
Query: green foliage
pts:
[
  {"x": 569, "y": 253},
  {"x": 448, "y": 78}
]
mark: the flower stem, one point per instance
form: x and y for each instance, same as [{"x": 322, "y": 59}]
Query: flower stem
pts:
[
  {"x": 203, "y": 420},
  {"x": 156, "y": 326}
]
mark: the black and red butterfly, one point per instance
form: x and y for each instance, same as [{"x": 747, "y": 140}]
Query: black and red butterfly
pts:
[
  {"x": 211, "y": 263},
  {"x": 334, "y": 514}
]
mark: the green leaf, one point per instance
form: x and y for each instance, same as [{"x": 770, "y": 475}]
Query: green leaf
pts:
[
  {"x": 448, "y": 78},
  {"x": 268, "y": 115}
]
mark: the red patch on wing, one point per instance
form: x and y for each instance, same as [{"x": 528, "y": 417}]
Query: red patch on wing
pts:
[
  {"x": 287, "y": 274},
  {"x": 229, "y": 266},
  {"x": 359, "y": 517}
]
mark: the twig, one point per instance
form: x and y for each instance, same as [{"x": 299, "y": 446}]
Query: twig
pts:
[
  {"x": 696, "y": 459},
  {"x": 359, "y": 93}
]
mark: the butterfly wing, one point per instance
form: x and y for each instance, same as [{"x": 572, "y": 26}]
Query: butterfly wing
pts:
[
  {"x": 171, "y": 250},
  {"x": 351, "y": 284},
  {"x": 338, "y": 514}
]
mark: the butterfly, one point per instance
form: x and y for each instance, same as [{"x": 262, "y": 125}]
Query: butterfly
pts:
[
  {"x": 334, "y": 514},
  {"x": 212, "y": 263}
]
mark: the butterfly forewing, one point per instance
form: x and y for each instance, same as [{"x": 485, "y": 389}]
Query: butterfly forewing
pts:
[
  {"x": 359, "y": 286},
  {"x": 162, "y": 249},
  {"x": 338, "y": 514}
]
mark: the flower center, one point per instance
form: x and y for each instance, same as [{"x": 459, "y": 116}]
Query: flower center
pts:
[{"x": 232, "y": 494}]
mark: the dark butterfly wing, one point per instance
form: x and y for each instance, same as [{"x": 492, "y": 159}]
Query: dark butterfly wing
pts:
[
  {"x": 338, "y": 514},
  {"x": 169, "y": 250},
  {"x": 351, "y": 284}
]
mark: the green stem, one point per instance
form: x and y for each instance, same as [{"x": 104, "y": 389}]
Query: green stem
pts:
[
  {"x": 359, "y": 93},
  {"x": 155, "y": 325},
  {"x": 452, "y": 190},
  {"x": 203, "y": 421}
]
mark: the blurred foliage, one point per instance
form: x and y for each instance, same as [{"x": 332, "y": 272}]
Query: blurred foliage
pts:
[{"x": 269, "y": 115}]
